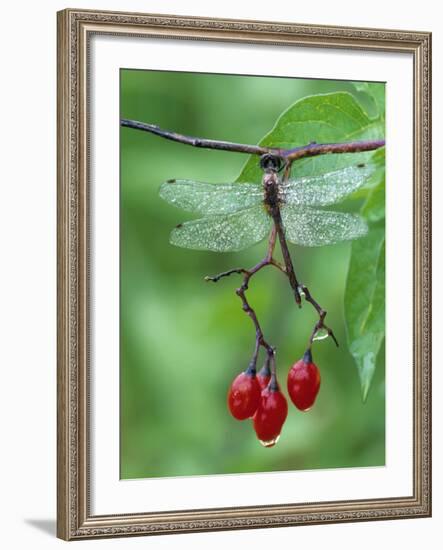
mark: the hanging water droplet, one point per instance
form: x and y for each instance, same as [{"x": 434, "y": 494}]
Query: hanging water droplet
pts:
[
  {"x": 270, "y": 442},
  {"x": 321, "y": 334},
  {"x": 301, "y": 291}
]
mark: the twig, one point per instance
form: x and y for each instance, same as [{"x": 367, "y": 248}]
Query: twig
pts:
[
  {"x": 310, "y": 150},
  {"x": 314, "y": 149},
  {"x": 259, "y": 337},
  {"x": 241, "y": 293},
  {"x": 321, "y": 314},
  {"x": 289, "y": 267},
  {"x": 198, "y": 142}
]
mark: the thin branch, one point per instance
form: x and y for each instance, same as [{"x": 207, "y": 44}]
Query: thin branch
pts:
[
  {"x": 320, "y": 324},
  {"x": 272, "y": 367},
  {"x": 241, "y": 293},
  {"x": 311, "y": 150},
  {"x": 259, "y": 337},
  {"x": 289, "y": 267},
  {"x": 314, "y": 149},
  {"x": 199, "y": 142},
  {"x": 253, "y": 362}
]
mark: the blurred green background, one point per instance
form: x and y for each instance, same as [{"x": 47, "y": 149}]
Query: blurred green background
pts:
[{"x": 184, "y": 340}]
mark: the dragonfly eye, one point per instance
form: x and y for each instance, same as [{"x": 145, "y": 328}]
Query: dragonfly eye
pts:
[{"x": 270, "y": 163}]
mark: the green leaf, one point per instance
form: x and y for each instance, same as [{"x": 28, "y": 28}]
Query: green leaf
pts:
[
  {"x": 323, "y": 118},
  {"x": 374, "y": 182},
  {"x": 365, "y": 287},
  {"x": 376, "y": 93},
  {"x": 374, "y": 208},
  {"x": 365, "y": 303}
]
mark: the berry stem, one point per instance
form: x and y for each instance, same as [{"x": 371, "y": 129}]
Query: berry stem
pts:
[
  {"x": 253, "y": 362},
  {"x": 241, "y": 293},
  {"x": 289, "y": 266},
  {"x": 320, "y": 324},
  {"x": 307, "y": 357},
  {"x": 273, "y": 368}
]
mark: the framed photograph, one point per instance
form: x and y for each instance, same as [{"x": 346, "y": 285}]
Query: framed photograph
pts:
[{"x": 244, "y": 248}]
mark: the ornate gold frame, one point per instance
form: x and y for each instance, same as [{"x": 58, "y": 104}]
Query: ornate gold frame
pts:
[{"x": 75, "y": 27}]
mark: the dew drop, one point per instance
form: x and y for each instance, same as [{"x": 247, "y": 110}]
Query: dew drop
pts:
[
  {"x": 321, "y": 334},
  {"x": 270, "y": 442}
]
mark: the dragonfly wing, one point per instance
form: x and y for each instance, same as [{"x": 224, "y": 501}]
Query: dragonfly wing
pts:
[
  {"x": 309, "y": 227},
  {"x": 211, "y": 198},
  {"x": 224, "y": 233},
  {"x": 327, "y": 188}
]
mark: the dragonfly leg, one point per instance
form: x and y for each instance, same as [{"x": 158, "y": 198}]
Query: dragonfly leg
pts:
[{"x": 287, "y": 170}]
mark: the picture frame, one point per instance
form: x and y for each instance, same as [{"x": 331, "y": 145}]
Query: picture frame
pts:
[{"x": 77, "y": 413}]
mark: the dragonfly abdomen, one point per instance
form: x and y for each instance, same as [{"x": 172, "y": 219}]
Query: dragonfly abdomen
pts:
[{"x": 272, "y": 197}]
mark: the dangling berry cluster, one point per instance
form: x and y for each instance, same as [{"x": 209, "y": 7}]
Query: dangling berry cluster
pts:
[{"x": 258, "y": 395}]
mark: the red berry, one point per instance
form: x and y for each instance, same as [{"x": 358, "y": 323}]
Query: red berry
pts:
[
  {"x": 270, "y": 415},
  {"x": 304, "y": 382},
  {"x": 244, "y": 395},
  {"x": 264, "y": 375}
]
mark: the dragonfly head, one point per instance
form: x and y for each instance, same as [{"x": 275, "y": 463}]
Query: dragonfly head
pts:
[{"x": 270, "y": 163}]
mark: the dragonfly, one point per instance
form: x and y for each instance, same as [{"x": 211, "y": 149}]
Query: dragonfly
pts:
[{"x": 235, "y": 216}]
